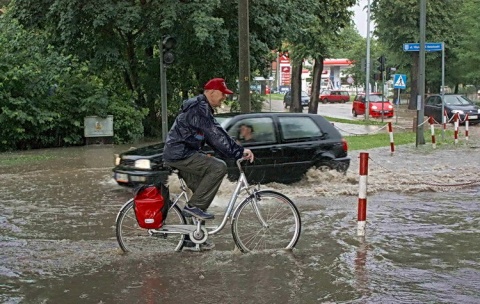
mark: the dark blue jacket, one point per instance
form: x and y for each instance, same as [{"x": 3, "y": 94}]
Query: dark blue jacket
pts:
[{"x": 195, "y": 126}]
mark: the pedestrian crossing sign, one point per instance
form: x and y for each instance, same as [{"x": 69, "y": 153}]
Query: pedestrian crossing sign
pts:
[{"x": 399, "y": 81}]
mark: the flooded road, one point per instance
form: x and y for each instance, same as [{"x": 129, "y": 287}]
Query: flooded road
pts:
[{"x": 57, "y": 240}]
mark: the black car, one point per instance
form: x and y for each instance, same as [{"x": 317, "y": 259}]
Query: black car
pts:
[
  {"x": 304, "y": 99},
  {"x": 454, "y": 103},
  {"x": 285, "y": 145}
]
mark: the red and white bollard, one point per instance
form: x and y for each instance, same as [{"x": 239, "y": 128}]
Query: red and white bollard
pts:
[
  {"x": 390, "y": 133},
  {"x": 466, "y": 127},
  {"x": 444, "y": 120},
  {"x": 455, "y": 119},
  {"x": 432, "y": 130},
  {"x": 362, "y": 195}
]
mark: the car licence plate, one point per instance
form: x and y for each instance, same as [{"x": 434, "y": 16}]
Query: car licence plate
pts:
[
  {"x": 121, "y": 177},
  {"x": 473, "y": 117}
]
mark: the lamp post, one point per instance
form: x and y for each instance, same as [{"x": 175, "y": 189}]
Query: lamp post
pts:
[
  {"x": 367, "y": 85},
  {"x": 421, "y": 75}
]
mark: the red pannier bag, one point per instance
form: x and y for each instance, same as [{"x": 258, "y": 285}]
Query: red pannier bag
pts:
[{"x": 151, "y": 205}]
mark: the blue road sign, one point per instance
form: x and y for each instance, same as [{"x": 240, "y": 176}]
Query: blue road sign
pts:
[
  {"x": 429, "y": 47},
  {"x": 399, "y": 81}
]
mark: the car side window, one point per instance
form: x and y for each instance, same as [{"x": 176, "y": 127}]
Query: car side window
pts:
[
  {"x": 252, "y": 131},
  {"x": 299, "y": 128}
]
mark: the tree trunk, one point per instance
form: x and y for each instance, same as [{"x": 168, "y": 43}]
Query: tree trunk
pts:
[
  {"x": 412, "y": 104},
  {"x": 316, "y": 85},
  {"x": 296, "y": 86}
]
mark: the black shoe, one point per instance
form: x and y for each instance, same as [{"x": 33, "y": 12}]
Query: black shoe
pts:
[
  {"x": 188, "y": 245},
  {"x": 198, "y": 213}
]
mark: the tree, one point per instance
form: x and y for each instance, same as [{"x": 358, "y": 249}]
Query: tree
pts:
[
  {"x": 467, "y": 29},
  {"x": 124, "y": 36},
  {"x": 397, "y": 22},
  {"x": 45, "y": 95},
  {"x": 315, "y": 29}
]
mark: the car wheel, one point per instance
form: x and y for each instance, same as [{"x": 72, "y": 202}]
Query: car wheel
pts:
[
  {"x": 354, "y": 113},
  {"x": 325, "y": 165},
  {"x": 324, "y": 100}
]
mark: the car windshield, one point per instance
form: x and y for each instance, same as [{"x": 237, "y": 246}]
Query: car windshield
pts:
[
  {"x": 377, "y": 98},
  {"x": 304, "y": 94},
  {"x": 222, "y": 120},
  {"x": 456, "y": 100}
]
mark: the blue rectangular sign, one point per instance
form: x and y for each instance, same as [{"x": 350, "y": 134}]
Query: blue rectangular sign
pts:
[{"x": 429, "y": 47}]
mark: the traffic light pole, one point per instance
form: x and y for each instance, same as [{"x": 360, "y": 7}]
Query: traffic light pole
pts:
[{"x": 163, "y": 94}]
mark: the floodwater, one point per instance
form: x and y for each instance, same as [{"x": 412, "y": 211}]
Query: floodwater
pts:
[{"x": 58, "y": 241}]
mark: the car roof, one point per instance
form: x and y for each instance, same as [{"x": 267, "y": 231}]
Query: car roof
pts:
[{"x": 371, "y": 93}]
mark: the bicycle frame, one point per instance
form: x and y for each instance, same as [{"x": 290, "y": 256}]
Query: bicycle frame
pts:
[{"x": 242, "y": 184}]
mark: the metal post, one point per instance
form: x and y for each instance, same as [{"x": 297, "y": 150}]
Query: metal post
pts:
[
  {"x": 442, "y": 90},
  {"x": 421, "y": 75},
  {"x": 244, "y": 56},
  {"x": 163, "y": 94},
  {"x": 398, "y": 105},
  {"x": 383, "y": 92},
  {"x": 367, "y": 87}
]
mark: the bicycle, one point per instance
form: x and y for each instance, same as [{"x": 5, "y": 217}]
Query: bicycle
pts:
[{"x": 264, "y": 220}]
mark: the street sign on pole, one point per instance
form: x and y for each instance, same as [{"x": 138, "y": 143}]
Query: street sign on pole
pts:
[
  {"x": 429, "y": 47},
  {"x": 399, "y": 81}
]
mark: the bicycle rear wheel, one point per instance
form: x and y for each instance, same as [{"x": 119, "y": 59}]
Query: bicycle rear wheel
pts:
[
  {"x": 132, "y": 238},
  {"x": 282, "y": 218}
]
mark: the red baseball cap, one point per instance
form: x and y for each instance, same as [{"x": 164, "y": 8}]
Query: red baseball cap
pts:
[{"x": 217, "y": 84}]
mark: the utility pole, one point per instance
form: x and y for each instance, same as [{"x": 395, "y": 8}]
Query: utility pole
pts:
[
  {"x": 244, "y": 57},
  {"x": 367, "y": 84},
  {"x": 421, "y": 75}
]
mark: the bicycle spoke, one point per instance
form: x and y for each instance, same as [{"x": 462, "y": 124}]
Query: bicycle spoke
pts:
[
  {"x": 133, "y": 238},
  {"x": 278, "y": 212}
]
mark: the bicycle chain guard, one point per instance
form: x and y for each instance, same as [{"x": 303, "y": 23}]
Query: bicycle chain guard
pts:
[{"x": 199, "y": 238}]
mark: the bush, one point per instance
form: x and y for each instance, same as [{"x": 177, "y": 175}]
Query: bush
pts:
[{"x": 45, "y": 95}]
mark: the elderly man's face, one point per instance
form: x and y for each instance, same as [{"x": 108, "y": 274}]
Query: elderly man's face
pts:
[{"x": 215, "y": 97}]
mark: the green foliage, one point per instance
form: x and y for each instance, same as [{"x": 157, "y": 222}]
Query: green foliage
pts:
[
  {"x": 467, "y": 28},
  {"x": 397, "y": 22},
  {"x": 45, "y": 95}
]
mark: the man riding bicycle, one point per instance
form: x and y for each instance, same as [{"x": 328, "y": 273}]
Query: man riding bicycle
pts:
[{"x": 193, "y": 127}]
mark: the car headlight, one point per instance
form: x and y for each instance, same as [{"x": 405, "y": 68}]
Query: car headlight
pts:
[
  {"x": 142, "y": 164},
  {"x": 374, "y": 107},
  {"x": 117, "y": 159},
  {"x": 457, "y": 111}
]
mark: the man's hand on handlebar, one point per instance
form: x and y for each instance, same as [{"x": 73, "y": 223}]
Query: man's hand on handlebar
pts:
[{"x": 248, "y": 155}]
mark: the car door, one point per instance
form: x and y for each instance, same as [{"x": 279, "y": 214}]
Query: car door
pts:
[
  {"x": 433, "y": 107},
  {"x": 263, "y": 145},
  {"x": 299, "y": 136},
  {"x": 360, "y": 105},
  {"x": 335, "y": 96}
]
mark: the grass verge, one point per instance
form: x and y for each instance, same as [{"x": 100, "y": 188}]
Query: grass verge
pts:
[
  {"x": 371, "y": 141},
  {"x": 9, "y": 159}
]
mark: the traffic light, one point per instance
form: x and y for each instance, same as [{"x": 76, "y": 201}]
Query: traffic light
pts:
[
  {"x": 382, "y": 61},
  {"x": 168, "y": 44},
  {"x": 388, "y": 72}
]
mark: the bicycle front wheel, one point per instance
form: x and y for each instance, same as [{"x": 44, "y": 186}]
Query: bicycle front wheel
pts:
[
  {"x": 133, "y": 238},
  {"x": 283, "y": 224}
]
